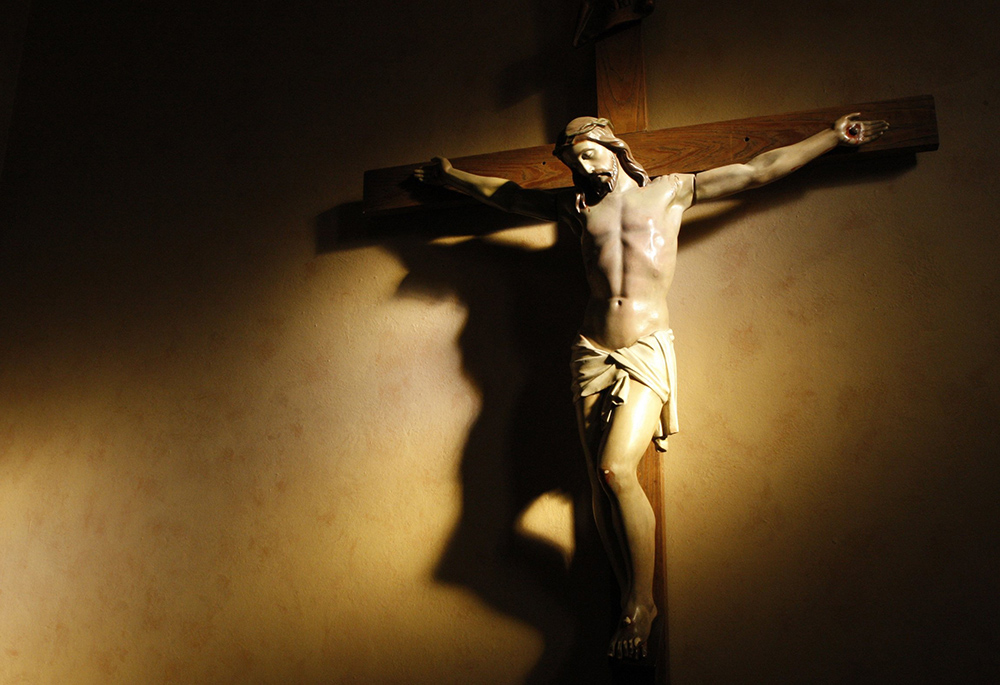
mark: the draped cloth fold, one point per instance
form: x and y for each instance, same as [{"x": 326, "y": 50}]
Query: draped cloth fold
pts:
[{"x": 650, "y": 360}]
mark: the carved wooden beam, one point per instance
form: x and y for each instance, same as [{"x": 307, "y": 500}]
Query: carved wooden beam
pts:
[
  {"x": 912, "y": 121},
  {"x": 621, "y": 81}
]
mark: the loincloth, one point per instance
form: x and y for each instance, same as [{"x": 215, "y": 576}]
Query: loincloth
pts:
[{"x": 649, "y": 360}]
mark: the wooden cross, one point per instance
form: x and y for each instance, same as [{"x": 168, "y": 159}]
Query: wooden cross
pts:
[
  {"x": 686, "y": 149},
  {"x": 621, "y": 94}
]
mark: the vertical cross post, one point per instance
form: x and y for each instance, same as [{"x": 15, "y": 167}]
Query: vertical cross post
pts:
[
  {"x": 621, "y": 80},
  {"x": 621, "y": 97}
]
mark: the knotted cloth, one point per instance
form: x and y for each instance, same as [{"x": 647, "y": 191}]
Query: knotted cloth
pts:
[{"x": 650, "y": 360}]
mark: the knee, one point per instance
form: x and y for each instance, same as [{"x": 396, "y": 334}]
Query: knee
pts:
[{"x": 618, "y": 476}]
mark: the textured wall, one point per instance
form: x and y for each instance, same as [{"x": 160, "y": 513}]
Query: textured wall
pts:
[{"x": 241, "y": 443}]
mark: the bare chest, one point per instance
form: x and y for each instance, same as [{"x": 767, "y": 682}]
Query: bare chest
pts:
[{"x": 644, "y": 220}]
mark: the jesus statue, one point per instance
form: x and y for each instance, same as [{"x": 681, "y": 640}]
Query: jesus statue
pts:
[{"x": 623, "y": 363}]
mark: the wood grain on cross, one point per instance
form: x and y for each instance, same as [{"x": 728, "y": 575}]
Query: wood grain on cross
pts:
[
  {"x": 621, "y": 90},
  {"x": 686, "y": 149}
]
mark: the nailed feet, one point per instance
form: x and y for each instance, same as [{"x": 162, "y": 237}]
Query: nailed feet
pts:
[{"x": 631, "y": 640}]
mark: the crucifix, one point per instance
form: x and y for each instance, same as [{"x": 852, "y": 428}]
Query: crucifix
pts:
[{"x": 627, "y": 216}]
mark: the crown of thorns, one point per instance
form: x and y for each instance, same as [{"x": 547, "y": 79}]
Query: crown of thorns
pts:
[{"x": 589, "y": 124}]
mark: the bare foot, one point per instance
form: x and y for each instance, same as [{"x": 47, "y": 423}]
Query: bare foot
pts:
[{"x": 631, "y": 640}]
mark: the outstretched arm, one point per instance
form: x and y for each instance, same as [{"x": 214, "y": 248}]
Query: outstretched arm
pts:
[
  {"x": 496, "y": 192},
  {"x": 772, "y": 165}
]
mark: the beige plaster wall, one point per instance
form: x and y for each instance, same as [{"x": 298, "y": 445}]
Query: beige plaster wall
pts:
[{"x": 241, "y": 442}]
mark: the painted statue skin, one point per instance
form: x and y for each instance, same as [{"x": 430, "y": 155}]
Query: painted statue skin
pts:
[{"x": 628, "y": 226}]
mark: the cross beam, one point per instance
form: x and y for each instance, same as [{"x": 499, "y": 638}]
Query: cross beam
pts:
[{"x": 912, "y": 121}]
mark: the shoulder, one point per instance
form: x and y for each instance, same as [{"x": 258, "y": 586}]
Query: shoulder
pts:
[
  {"x": 679, "y": 186},
  {"x": 567, "y": 208}
]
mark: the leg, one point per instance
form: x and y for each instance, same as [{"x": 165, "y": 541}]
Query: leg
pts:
[
  {"x": 592, "y": 437},
  {"x": 634, "y": 523},
  {"x": 629, "y": 434}
]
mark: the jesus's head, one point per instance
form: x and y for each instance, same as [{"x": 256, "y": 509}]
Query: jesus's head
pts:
[{"x": 589, "y": 147}]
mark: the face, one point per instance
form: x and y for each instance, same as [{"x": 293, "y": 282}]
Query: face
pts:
[
  {"x": 589, "y": 158},
  {"x": 595, "y": 163}
]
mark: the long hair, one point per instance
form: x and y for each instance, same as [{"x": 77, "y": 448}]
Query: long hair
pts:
[{"x": 601, "y": 132}]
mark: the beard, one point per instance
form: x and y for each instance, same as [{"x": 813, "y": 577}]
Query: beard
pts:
[{"x": 601, "y": 182}]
